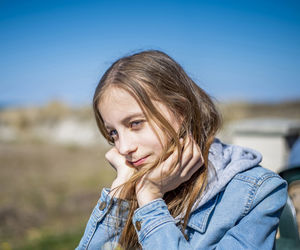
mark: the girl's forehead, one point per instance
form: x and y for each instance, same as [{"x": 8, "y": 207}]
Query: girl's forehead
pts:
[
  {"x": 117, "y": 96},
  {"x": 117, "y": 104}
]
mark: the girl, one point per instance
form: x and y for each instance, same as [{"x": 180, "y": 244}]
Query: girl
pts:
[{"x": 177, "y": 186}]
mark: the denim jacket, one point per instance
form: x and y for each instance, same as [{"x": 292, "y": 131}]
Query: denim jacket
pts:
[{"x": 240, "y": 209}]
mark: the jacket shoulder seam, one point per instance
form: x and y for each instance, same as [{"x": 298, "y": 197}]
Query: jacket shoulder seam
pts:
[
  {"x": 255, "y": 180},
  {"x": 254, "y": 189}
]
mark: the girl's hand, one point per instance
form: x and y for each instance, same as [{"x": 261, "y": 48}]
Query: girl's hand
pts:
[
  {"x": 159, "y": 181},
  {"x": 124, "y": 171}
]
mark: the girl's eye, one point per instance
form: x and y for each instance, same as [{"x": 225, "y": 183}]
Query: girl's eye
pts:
[
  {"x": 113, "y": 133},
  {"x": 136, "y": 124}
]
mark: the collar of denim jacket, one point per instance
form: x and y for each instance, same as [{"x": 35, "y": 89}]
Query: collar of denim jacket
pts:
[{"x": 225, "y": 161}]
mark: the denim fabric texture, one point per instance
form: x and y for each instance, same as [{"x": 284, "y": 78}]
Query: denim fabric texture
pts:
[{"x": 240, "y": 209}]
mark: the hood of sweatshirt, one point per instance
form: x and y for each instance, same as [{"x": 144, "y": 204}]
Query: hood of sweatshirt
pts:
[{"x": 225, "y": 161}]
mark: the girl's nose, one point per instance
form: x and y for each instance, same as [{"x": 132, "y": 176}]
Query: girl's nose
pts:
[{"x": 126, "y": 146}]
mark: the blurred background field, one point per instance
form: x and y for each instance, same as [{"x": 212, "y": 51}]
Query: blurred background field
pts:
[
  {"x": 50, "y": 182},
  {"x": 47, "y": 188}
]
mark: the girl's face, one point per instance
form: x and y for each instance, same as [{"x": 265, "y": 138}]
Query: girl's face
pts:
[{"x": 131, "y": 132}]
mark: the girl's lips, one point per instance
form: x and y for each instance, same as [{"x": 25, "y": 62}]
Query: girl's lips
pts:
[{"x": 139, "y": 162}]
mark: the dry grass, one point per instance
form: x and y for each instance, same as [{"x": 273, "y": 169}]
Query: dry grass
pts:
[{"x": 48, "y": 187}]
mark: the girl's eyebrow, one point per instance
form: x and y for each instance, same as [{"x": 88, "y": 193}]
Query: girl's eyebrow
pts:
[{"x": 128, "y": 118}]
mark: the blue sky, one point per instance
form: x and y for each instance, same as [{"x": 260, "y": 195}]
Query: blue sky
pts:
[{"x": 235, "y": 50}]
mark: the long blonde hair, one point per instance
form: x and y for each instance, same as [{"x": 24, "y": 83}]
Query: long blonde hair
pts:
[{"x": 154, "y": 76}]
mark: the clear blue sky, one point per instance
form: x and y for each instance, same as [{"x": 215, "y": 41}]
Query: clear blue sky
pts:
[{"x": 235, "y": 50}]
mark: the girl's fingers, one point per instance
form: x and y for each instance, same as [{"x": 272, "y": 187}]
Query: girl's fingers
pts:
[
  {"x": 187, "y": 152},
  {"x": 109, "y": 156},
  {"x": 171, "y": 172},
  {"x": 194, "y": 163},
  {"x": 187, "y": 175},
  {"x": 169, "y": 162},
  {"x": 118, "y": 162},
  {"x": 186, "y": 155},
  {"x": 186, "y": 161}
]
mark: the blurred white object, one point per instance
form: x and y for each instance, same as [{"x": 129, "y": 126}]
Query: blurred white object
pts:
[
  {"x": 71, "y": 131},
  {"x": 7, "y": 133},
  {"x": 271, "y": 137}
]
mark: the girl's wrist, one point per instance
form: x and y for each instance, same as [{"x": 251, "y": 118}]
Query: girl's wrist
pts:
[
  {"x": 144, "y": 197},
  {"x": 116, "y": 189}
]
